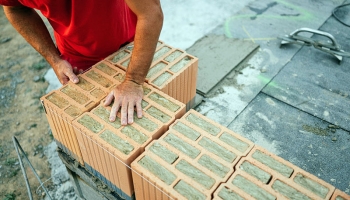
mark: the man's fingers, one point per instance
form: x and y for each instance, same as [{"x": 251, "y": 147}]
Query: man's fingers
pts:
[
  {"x": 139, "y": 109},
  {"x": 114, "y": 111},
  {"x": 64, "y": 80},
  {"x": 124, "y": 113},
  {"x": 109, "y": 99},
  {"x": 131, "y": 113},
  {"x": 72, "y": 76}
]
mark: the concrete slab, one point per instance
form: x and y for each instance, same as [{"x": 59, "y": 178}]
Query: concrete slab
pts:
[
  {"x": 314, "y": 81},
  {"x": 187, "y": 21},
  {"x": 261, "y": 22},
  {"x": 298, "y": 137},
  {"x": 217, "y": 56}
]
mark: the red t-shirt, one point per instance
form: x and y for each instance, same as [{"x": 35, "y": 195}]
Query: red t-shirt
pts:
[{"x": 86, "y": 31}]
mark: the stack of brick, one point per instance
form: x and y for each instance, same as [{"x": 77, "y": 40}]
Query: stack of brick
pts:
[
  {"x": 192, "y": 157},
  {"x": 172, "y": 71},
  {"x": 189, "y": 161},
  {"x": 62, "y": 106},
  {"x": 263, "y": 175},
  {"x": 108, "y": 148}
]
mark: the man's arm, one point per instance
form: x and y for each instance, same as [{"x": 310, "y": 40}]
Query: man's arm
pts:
[
  {"x": 129, "y": 94},
  {"x": 29, "y": 24}
]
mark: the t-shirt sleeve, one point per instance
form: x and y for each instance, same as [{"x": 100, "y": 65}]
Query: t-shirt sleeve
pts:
[{"x": 10, "y": 3}]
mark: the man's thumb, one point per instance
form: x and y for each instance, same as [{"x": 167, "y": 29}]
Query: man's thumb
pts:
[{"x": 72, "y": 76}]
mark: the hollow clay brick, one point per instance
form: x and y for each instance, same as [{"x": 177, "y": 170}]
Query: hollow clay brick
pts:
[
  {"x": 200, "y": 161},
  {"x": 99, "y": 79},
  {"x": 204, "y": 125},
  {"x": 339, "y": 195},
  {"x": 177, "y": 82},
  {"x": 279, "y": 178},
  {"x": 169, "y": 105},
  {"x": 121, "y": 58},
  {"x": 62, "y": 106},
  {"x": 102, "y": 154},
  {"x": 172, "y": 71},
  {"x": 76, "y": 99}
]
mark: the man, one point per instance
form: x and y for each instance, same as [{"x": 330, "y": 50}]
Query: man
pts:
[{"x": 87, "y": 31}]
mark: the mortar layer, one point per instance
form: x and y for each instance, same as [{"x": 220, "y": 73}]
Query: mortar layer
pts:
[
  {"x": 144, "y": 103},
  {"x": 57, "y": 100},
  {"x": 117, "y": 142},
  {"x": 158, "y": 114},
  {"x": 251, "y": 188},
  {"x": 119, "y": 77},
  {"x": 288, "y": 191},
  {"x": 146, "y": 90},
  {"x": 134, "y": 134},
  {"x": 155, "y": 69},
  {"x": 255, "y": 171},
  {"x": 173, "y": 56},
  {"x": 98, "y": 93},
  {"x": 227, "y": 194},
  {"x": 160, "y": 53},
  {"x": 160, "y": 80},
  {"x": 91, "y": 124},
  {"x": 73, "y": 111},
  {"x": 75, "y": 94},
  {"x": 164, "y": 102},
  {"x": 234, "y": 142},
  {"x": 181, "y": 64},
  {"x": 272, "y": 163},
  {"x": 145, "y": 123},
  {"x": 125, "y": 64},
  {"x": 186, "y": 131},
  {"x": 195, "y": 174},
  {"x": 311, "y": 185},
  {"x": 98, "y": 78},
  {"x": 204, "y": 125},
  {"x": 103, "y": 113},
  {"x": 181, "y": 145},
  {"x": 106, "y": 69},
  {"x": 217, "y": 149},
  {"x": 84, "y": 84},
  {"x": 164, "y": 153},
  {"x": 119, "y": 56},
  {"x": 214, "y": 166},
  {"x": 188, "y": 191},
  {"x": 157, "y": 169}
]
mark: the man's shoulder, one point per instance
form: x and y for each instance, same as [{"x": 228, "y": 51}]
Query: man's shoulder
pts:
[{"x": 10, "y": 3}]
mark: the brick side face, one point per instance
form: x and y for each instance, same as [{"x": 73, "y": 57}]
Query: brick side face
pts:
[{"x": 62, "y": 106}]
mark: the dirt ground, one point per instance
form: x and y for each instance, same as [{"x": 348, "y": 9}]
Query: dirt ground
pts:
[{"x": 21, "y": 115}]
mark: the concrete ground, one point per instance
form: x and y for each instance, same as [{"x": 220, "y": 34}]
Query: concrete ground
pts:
[{"x": 294, "y": 100}]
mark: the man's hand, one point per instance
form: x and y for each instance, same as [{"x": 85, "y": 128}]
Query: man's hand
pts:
[
  {"x": 64, "y": 72},
  {"x": 126, "y": 96},
  {"x": 30, "y": 25}
]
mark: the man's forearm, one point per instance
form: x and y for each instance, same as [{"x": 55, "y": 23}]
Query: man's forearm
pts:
[
  {"x": 147, "y": 34},
  {"x": 30, "y": 25}
]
